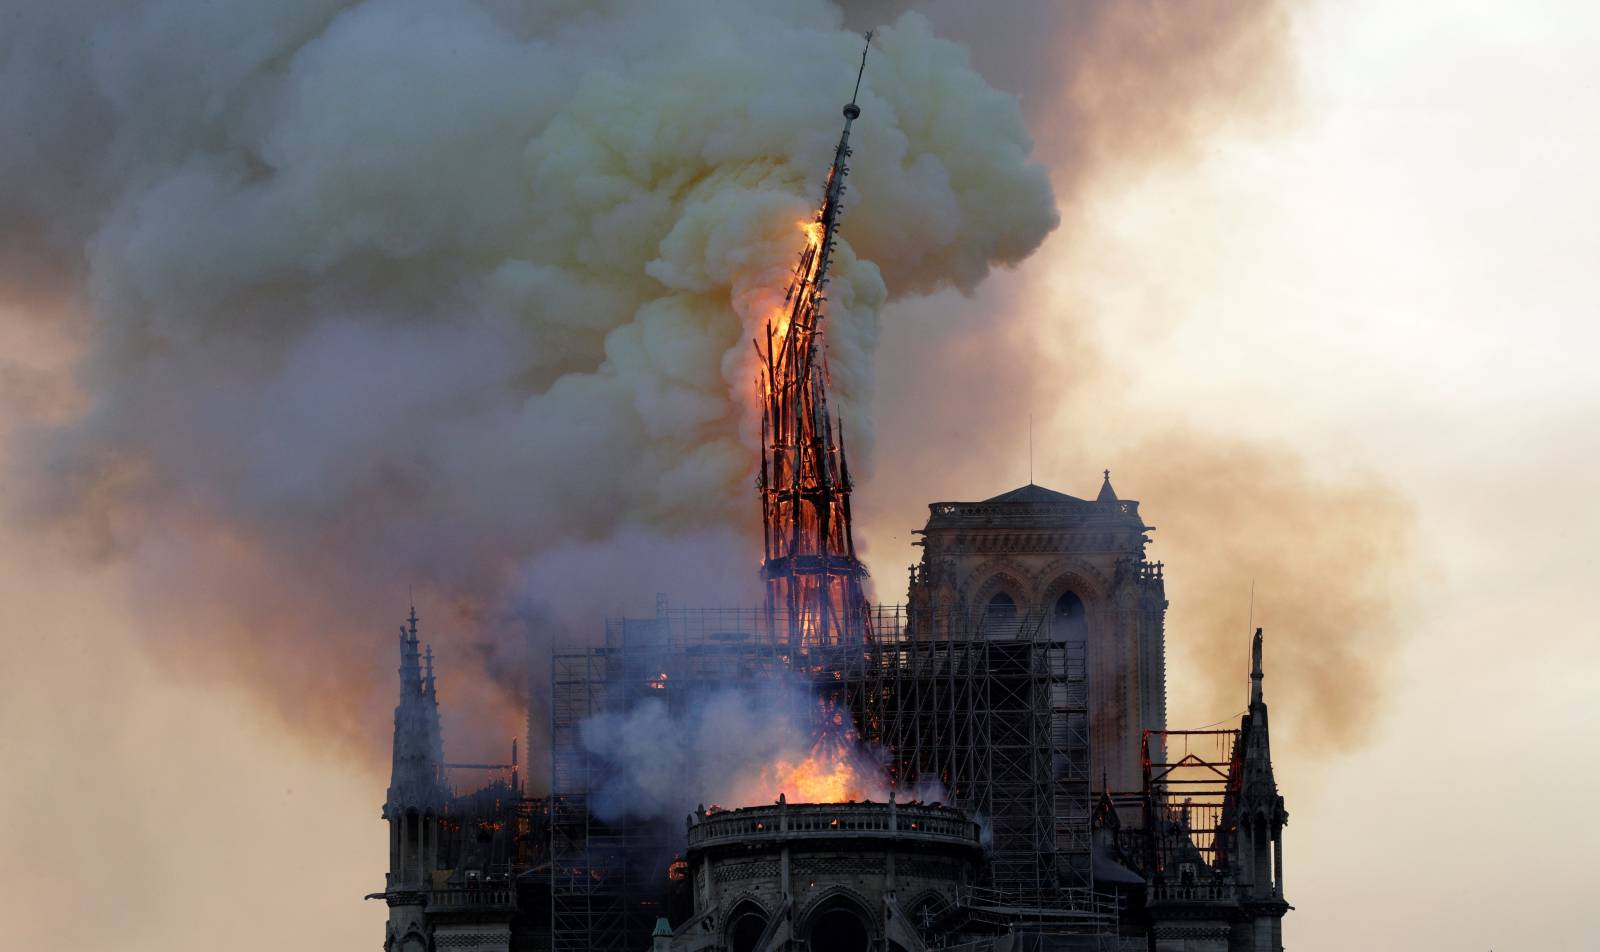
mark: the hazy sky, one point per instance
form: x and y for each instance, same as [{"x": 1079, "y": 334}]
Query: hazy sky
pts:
[
  {"x": 1398, "y": 276},
  {"x": 1389, "y": 276},
  {"x": 1395, "y": 276}
]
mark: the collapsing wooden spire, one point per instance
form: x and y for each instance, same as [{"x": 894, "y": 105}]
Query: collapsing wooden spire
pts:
[{"x": 812, "y": 575}]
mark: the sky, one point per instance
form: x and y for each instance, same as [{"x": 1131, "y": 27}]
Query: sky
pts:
[
  {"x": 1376, "y": 282},
  {"x": 1394, "y": 276}
]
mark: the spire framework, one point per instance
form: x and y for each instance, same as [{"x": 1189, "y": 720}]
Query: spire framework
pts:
[{"x": 810, "y": 567}]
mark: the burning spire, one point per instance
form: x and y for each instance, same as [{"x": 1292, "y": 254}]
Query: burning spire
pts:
[{"x": 810, "y": 567}]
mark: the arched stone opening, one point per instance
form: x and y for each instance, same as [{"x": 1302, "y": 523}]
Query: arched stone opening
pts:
[
  {"x": 923, "y": 912},
  {"x": 1002, "y": 608},
  {"x": 994, "y": 579},
  {"x": 839, "y": 924},
  {"x": 745, "y": 924},
  {"x": 410, "y": 848},
  {"x": 1069, "y": 618}
]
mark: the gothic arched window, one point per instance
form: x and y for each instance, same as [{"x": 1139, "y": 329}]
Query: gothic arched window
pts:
[
  {"x": 745, "y": 925},
  {"x": 1069, "y": 621},
  {"x": 839, "y": 925},
  {"x": 1001, "y": 607}
]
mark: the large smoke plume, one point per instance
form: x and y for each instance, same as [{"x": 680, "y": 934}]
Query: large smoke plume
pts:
[
  {"x": 367, "y": 297},
  {"x": 457, "y": 297},
  {"x": 1135, "y": 92}
]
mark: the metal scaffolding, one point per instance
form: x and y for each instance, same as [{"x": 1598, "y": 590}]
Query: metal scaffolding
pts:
[
  {"x": 1177, "y": 830},
  {"x": 997, "y": 715},
  {"x": 1191, "y": 777}
]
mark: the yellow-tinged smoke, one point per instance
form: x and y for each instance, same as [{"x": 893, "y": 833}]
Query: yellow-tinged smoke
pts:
[
  {"x": 391, "y": 295},
  {"x": 1115, "y": 92},
  {"x": 1329, "y": 559},
  {"x": 459, "y": 300}
]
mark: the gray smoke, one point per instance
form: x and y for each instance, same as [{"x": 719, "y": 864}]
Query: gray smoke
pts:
[
  {"x": 731, "y": 747},
  {"x": 369, "y": 295},
  {"x": 659, "y": 762}
]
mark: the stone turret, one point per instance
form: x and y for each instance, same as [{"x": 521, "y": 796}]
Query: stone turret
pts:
[
  {"x": 1260, "y": 818},
  {"x": 416, "y": 797},
  {"x": 1237, "y": 906}
]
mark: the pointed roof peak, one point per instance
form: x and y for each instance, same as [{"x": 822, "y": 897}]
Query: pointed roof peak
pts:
[
  {"x": 1107, "y": 494},
  {"x": 1255, "y": 669},
  {"x": 1033, "y": 493},
  {"x": 1105, "y": 812}
]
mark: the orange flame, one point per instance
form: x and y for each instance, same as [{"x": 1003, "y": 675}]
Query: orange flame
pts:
[
  {"x": 813, "y": 232},
  {"x": 822, "y": 777},
  {"x": 778, "y": 320},
  {"x": 779, "y": 314}
]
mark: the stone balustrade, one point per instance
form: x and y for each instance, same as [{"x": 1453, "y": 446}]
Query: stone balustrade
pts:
[
  {"x": 805, "y": 821},
  {"x": 477, "y": 895}
]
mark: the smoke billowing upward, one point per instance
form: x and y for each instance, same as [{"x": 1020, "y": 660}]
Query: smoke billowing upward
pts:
[
  {"x": 1115, "y": 92},
  {"x": 1109, "y": 87},
  {"x": 1328, "y": 559},
  {"x": 369, "y": 296},
  {"x": 731, "y": 747},
  {"x": 389, "y": 293}
]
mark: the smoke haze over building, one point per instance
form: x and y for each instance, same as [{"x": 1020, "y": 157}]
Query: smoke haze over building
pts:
[
  {"x": 401, "y": 297},
  {"x": 1134, "y": 89},
  {"x": 306, "y": 305},
  {"x": 410, "y": 295}
]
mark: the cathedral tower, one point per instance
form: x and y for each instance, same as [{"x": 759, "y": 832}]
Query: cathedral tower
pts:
[
  {"x": 416, "y": 796},
  {"x": 1034, "y": 563}
]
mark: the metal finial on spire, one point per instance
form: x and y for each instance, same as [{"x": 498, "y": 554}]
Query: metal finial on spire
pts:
[
  {"x": 852, "y": 110},
  {"x": 1255, "y": 669},
  {"x": 1030, "y": 449}
]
